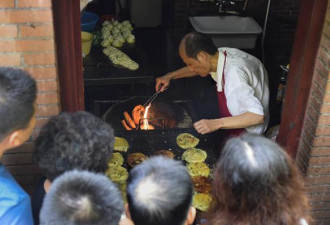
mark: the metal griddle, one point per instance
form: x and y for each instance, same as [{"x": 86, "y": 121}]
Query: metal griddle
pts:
[{"x": 149, "y": 141}]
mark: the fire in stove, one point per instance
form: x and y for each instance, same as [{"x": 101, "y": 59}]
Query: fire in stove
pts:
[
  {"x": 140, "y": 119},
  {"x": 145, "y": 122},
  {"x": 129, "y": 115}
]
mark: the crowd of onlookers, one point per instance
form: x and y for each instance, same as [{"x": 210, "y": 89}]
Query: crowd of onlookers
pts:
[{"x": 254, "y": 182}]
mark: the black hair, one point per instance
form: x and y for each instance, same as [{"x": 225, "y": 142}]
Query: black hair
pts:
[
  {"x": 196, "y": 42},
  {"x": 18, "y": 92},
  {"x": 82, "y": 198},
  {"x": 77, "y": 140},
  {"x": 256, "y": 182},
  {"x": 159, "y": 191}
]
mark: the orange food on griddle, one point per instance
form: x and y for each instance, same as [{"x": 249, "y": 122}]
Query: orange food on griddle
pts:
[
  {"x": 136, "y": 158},
  {"x": 166, "y": 153},
  {"x": 123, "y": 122},
  {"x": 129, "y": 120},
  {"x": 138, "y": 113},
  {"x": 202, "y": 184}
]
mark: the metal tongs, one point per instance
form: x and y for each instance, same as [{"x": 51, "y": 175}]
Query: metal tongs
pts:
[{"x": 152, "y": 98}]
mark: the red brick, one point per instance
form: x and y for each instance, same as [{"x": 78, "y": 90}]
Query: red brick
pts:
[
  {"x": 304, "y": 150},
  {"x": 47, "y": 98},
  {"x": 320, "y": 205},
  {"x": 310, "y": 123},
  {"x": 34, "y": 4},
  {"x": 324, "y": 119},
  {"x": 319, "y": 198},
  {"x": 322, "y": 73},
  {"x": 39, "y": 59},
  {"x": 319, "y": 160},
  {"x": 313, "y": 112},
  {"x": 24, "y": 169},
  {"x": 49, "y": 85},
  {"x": 41, "y": 122},
  {"x": 302, "y": 165},
  {"x": 320, "y": 214},
  {"x": 317, "y": 92},
  {"x": 327, "y": 87},
  {"x": 325, "y": 108},
  {"x": 323, "y": 57},
  {"x": 36, "y": 31},
  {"x": 318, "y": 180},
  {"x": 10, "y": 60},
  {"x": 26, "y": 147},
  {"x": 14, "y": 159},
  {"x": 7, "y": 4},
  {"x": 314, "y": 102},
  {"x": 42, "y": 73},
  {"x": 322, "y": 131},
  {"x": 308, "y": 135},
  {"x": 320, "y": 151},
  {"x": 26, "y": 45},
  {"x": 319, "y": 79},
  {"x": 321, "y": 141},
  {"x": 26, "y": 16},
  {"x": 8, "y": 31},
  {"x": 320, "y": 170},
  {"x": 47, "y": 110},
  {"x": 315, "y": 189},
  {"x": 326, "y": 98}
]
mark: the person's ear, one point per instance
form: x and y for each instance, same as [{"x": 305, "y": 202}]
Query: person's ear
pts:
[
  {"x": 191, "y": 215},
  {"x": 14, "y": 139},
  {"x": 127, "y": 213},
  {"x": 202, "y": 56}
]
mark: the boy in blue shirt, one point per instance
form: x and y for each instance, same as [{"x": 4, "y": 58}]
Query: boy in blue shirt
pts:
[{"x": 17, "y": 115}]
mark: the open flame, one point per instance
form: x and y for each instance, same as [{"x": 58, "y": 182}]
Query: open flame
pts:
[{"x": 146, "y": 125}]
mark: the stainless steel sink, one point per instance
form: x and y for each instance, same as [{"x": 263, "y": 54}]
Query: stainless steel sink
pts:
[{"x": 228, "y": 31}]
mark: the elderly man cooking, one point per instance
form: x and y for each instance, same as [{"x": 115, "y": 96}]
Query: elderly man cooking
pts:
[{"x": 242, "y": 84}]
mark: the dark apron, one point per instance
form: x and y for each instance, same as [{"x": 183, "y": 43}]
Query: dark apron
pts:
[{"x": 224, "y": 112}]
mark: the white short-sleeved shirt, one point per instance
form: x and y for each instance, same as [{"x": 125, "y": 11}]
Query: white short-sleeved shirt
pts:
[{"x": 246, "y": 85}]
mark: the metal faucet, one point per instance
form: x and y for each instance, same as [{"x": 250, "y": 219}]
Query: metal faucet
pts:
[{"x": 222, "y": 4}]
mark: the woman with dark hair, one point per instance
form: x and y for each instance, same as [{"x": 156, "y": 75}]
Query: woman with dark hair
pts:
[{"x": 256, "y": 182}]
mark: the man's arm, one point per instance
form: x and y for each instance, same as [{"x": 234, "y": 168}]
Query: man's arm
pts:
[
  {"x": 166, "y": 79},
  {"x": 244, "y": 120}
]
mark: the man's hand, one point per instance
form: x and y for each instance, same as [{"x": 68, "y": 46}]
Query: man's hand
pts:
[
  {"x": 207, "y": 126},
  {"x": 244, "y": 120},
  {"x": 162, "y": 82}
]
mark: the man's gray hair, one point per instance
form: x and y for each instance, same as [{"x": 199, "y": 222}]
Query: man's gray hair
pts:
[
  {"x": 159, "y": 191},
  {"x": 84, "y": 198}
]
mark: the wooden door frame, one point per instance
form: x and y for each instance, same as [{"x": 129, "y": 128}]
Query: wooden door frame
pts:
[
  {"x": 302, "y": 63},
  {"x": 66, "y": 15}
]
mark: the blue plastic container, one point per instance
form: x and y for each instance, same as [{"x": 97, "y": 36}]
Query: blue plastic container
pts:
[{"x": 88, "y": 21}]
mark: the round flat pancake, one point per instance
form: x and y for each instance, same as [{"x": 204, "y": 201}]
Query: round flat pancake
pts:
[
  {"x": 201, "y": 201},
  {"x": 117, "y": 174},
  {"x": 116, "y": 159},
  {"x": 198, "y": 169},
  {"x": 193, "y": 155},
  {"x": 186, "y": 140},
  {"x": 136, "y": 158},
  {"x": 166, "y": 153},
  {"x": 121, "y": 144},
  {"x": 202, "y": 184}
]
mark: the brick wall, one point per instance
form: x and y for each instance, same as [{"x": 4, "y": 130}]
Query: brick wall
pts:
[
  {"x": 27, "y": 42},
  {"x": 313, "y": 155}
]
